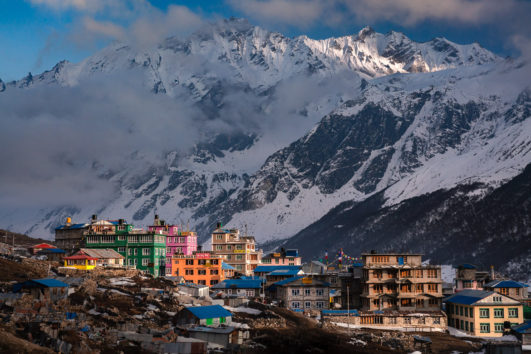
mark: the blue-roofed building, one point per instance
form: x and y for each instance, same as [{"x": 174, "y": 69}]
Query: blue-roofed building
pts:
[
  {"x": 228, "y": 270},
  {"x": 48, "y": 289},
  {"x": 249, "y": 288},
  {"x": 523, "y": 332},
  {"x": 301, "y": 292},
  {"x": 213, "y": 315},
  {"x": 483, "y": 313},
  {"x": 263, "y": 270},
  {"x": 511, "y": 288},
  {"x": 283, "y": 257},
  {"x": 70, "y": 236},
  {"x": 52, "y": 254}
]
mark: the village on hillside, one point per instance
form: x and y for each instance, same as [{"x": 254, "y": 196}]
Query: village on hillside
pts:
[{"x": 106, "y": 286}]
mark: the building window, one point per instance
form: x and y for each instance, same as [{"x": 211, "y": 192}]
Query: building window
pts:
[
  {"x": 437, "y": 320},
  {"x": 295, "y": 292},
  {"x": 497, "y": 299},
  {"x": 319, "y": 304},
  {"x": 460, "y": 310},
  {"x": 213, "y": 282},
  {"x": 295, "y": 305},
  {"x": 249, "y": 292},
  {"x": 219, "y": 247},
  {"x": 189, "y": 272},
  {"x": 189, "y": 262},
  {"x": 484, "y": 313},
  {"x": 146, "y": 251},
  {"x": 307, "y": 304},
  {"x": 201, "y": 282},
  {"x": 513, "y": 312},
  {"x": 432, "y": 288},
  {"x": 201, "y": 272},
  {"x": 145, "y": 261},
  {"x": 471, "y": 326},
  {"x": 214, "y": 272},
  {"x": 307, "y": 292},
  {"x": 498, "y": 327},
  {"x": 466, "y": 311},
  {"x": 407, "y": 320},
  {"x": 121, "y": 249},
  {"x": 219, "y": 237},
  {"x": 504, "y": 291},
  {"x": 239, "y": 257},
  {"x": 392, "y": 320},
  {"x": 484, "y": 328},
  {"x": 121, "y": 238},
  {"x": 319, "y": 292},
  {"x": 498, "y": 313},
  {"x": 432, "y": 273}
]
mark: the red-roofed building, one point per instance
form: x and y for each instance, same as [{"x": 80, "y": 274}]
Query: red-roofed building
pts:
[{"x": 41, "y": 246}]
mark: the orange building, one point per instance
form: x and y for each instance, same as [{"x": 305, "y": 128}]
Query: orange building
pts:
[{"x": 204, "y": 268}]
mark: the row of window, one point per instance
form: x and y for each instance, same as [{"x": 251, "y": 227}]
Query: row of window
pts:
[
  {"x": 182, "y": 240},
  {"x": 129, "y": 238},
  {"x": 200, "y": 272},
  {"x": 307, "y": 292},
  {"x": 145, "y": 251},
  {"x": 307, "y": 304},
  {"x": 200, "y": 261},
  {"x": 483, "y": 312},
  {"x": 204, "y": 282}
]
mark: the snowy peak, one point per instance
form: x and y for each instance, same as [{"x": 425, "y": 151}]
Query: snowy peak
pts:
[{"x": 375, "y": 54}]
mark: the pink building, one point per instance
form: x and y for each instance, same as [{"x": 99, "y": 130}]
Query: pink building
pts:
[{"x": 177, "y": 242}]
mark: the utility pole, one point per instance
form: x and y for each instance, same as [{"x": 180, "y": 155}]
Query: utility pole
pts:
[{"x": 348, "y": 308}]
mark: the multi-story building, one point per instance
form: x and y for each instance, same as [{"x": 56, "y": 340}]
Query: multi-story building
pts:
[
  {"x": 71, "y": 237},
  {"x": 203, "y": 268},
  {"x": 177, "y": 240},
  {"x": 467, "y": 277},
  {"x": 513, "y": 289},
  {"x": 144, "y": 250},
  {"x": 483, "y": 313},
  {"x": 283, "y": 257},
  {"x": 238, "y": 251},
  {"x": 395, "y": 281},
  {"x": 303, "y": 293}
]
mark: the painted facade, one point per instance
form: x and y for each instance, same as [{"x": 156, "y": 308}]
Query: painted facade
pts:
[
  {"x": 202, "y": 268},
  {"x": 483, "y": 313},
  {"x": 143, "y": 250},
  {"x": 302, "y": 293},
  {"x": 177, "y": 240},
  {"x": 283, "y": 257},
  {"x": 80, "y": 261},
  {"x": 238, "y": 251}
]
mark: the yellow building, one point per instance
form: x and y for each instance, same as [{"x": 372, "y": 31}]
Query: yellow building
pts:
[
  {"x": 483, "y": 313},
  {"x": 80, "y": 261}
]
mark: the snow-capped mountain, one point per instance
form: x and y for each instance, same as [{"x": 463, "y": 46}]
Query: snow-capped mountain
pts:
[{"x": 294, "y": 129}]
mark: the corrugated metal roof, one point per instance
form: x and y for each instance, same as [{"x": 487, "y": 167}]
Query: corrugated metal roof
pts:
[
  {"x": 81, "y": 256},
  {"x": 226, "y": 266},
  {"x": 43, "y": 245},
  {"x": 72, "y": 227},
  {"x": 50, "y": 250},
  {"x": 291, "y": 272},
  {"x": 239, "y": 284},
  {"x": 213, "y": 311},
  {"x": 217, "y": 330},
  {"x": 105, "y": 253},
  {"x": 466, "y": 266},
  {"x": 49, "y": 283},
  {"x": 523, "y": 327},
  {"x": 286, "y": 281},
  {"x": 468, "y": 297},
  {"x": 271, "y": 268},
  {"x": 340, "y": 312},
  {"x": 505, "y": 284}
]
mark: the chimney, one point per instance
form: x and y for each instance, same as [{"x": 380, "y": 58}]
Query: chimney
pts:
[
  {"x": 492, "y": 276},
  {"x": 199, "y": 248},
  {"x": 121, "y": 221},
  {"x": 94, "y": 218},
  {"x": 219, "y": 225},
  {"x": 68, "y": 221},
  {"x": 156, "y": 221}
]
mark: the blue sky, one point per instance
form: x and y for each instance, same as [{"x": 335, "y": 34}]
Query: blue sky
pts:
[{"x": 36, "y": 34}]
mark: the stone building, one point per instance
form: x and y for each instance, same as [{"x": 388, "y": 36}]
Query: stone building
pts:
[
  {"x": 238, "y": 251},
  {"x": 513, "y": 289},
  {"x": 397, "y": 281},
  {"x": 303, "y": 293},
  {"x": 409, "y": 320},
  {"x": 467, "y": 277}
]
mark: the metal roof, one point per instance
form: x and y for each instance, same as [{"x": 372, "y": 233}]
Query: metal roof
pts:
[
  {"x": 193, "y": 285},
  {"x": 285, "y": 281},
  {"x": 213, "y": 311},
  {"x": 226, "y": 266},
  {"x": 72, "y": 227},
  {"x": 505, "y": 284},
  {"x": 523, "y": 327},
  {"x": 271, "y": 268},
  {"x": 50, "y": 250},
  {"x": 48, "y": 283},
  {"x": 291, "y": 272},
  {"x": 239, "y": 284},
  {"x": 468, "y": 297},
  {"x": 43, "y": 245},
  {"x": 340, "y": 312},
  {"x": 217, "y": 330},
  {"x": 466, "y": 266},
  {"x": 105, "y": 253},
  {"x": 81, "y": 256}
]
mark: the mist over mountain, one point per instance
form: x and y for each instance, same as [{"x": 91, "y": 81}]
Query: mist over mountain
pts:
[{"x": 289, "y": 136}]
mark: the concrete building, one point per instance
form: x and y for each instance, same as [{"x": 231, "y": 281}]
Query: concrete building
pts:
[
  {"x": 104, "y": 257},
  {"x": 467, "y": 277},
  {"x": 80, "y": 261},
  {"x": 238, "y": 251},
  {"x": 213, "y": 315},
  {"x": 483, "y": 313},
  {"x": 397, "y": 281},
  {"x": 194, "y": 290},
  {"x": 177, "y": 240},
  {"x": 513, "y": 289},
  {"x": 49, "y": 289},
  {"x": 249, "y": 288},
  {"x": 71, "y": 237},
  {"x": 523, "y": 332},
  {"x": 224, "y": 337},
  {"x": 399, "y": 320},
  {"x": 283, "y": 257},
  {"x": 202, "y": 268},
  {"x": 302, "y": 293}
]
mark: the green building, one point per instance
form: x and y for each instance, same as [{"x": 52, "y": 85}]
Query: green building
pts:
[{"x": 146, "y": 250}]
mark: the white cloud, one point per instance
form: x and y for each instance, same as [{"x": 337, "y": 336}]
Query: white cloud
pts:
[
  {"x": 103, "y": 28},
  {"x": 79, "y": 5}
]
